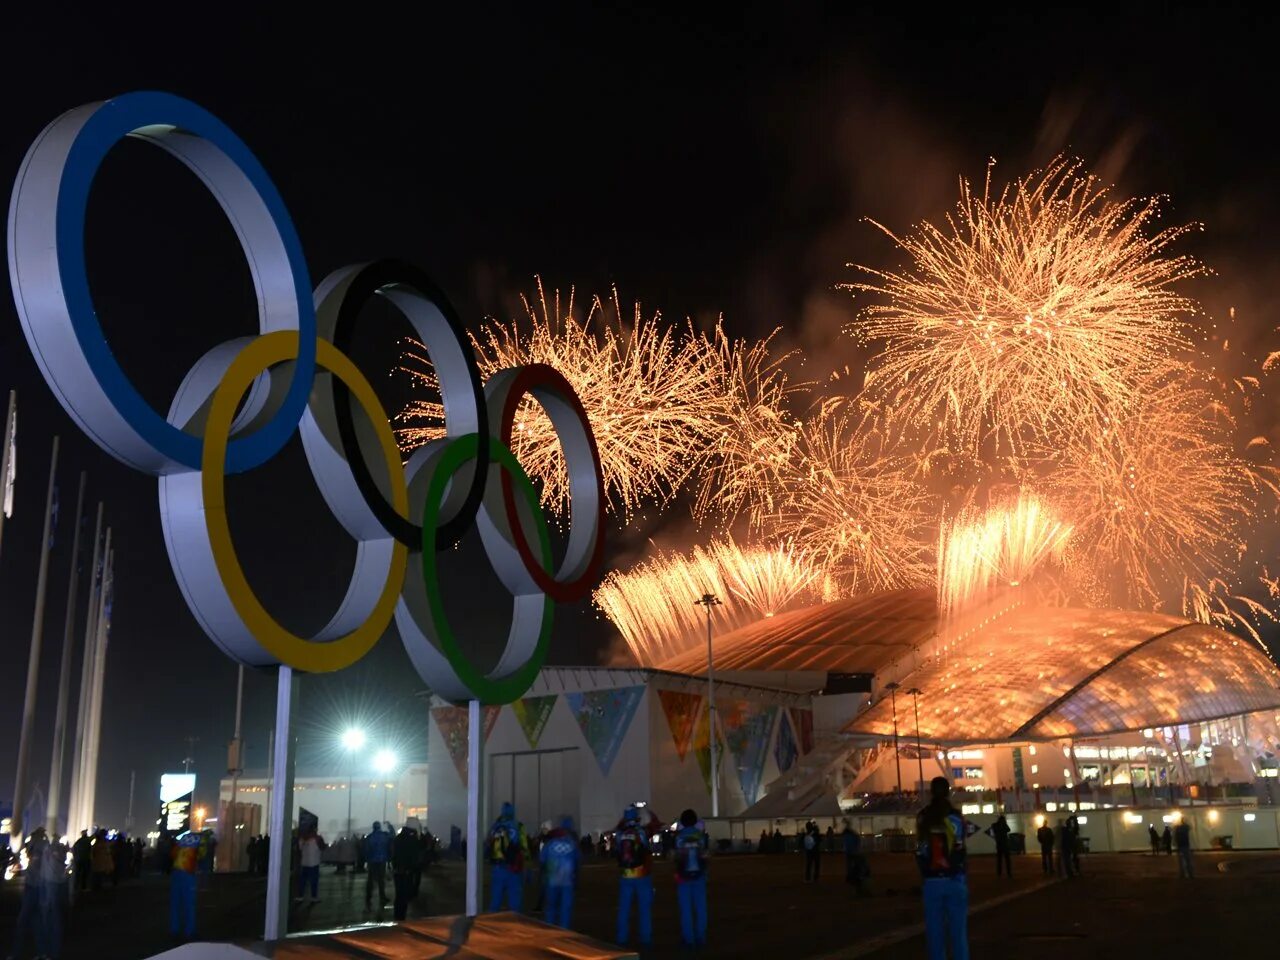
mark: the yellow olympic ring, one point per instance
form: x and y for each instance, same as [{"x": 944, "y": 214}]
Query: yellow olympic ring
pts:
[{"x": 317, "y": 657}]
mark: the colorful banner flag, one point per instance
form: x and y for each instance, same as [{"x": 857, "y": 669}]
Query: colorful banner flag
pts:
[
  {"x": 702, "y": 746},
  {"x": 784, "y": 749},
  {"x": 748, "y": 728},
  {"x": 605, "y": 716},
  {"x": 803, "y": 720},
  {"x": 533, "y": 713},
  {"x": 682, "y": 710},
  {"x": 452, "y": 722}
]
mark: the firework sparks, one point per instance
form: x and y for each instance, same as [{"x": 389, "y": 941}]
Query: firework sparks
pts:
[
  {"x": 851, "y": 500},
  {"x": 652, "y": 392},
  {"x": 653, "y": 606},
  {"x": 1002, "y": 547},
  {"x": 1041, "y": 306}
]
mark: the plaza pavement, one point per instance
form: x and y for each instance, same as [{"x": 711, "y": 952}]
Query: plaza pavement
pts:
[{"x": 761, "y": 907}]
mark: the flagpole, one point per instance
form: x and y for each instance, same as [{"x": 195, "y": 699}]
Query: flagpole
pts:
[
  {"x": 75, "y": 822},
  {"x": 6, "y": 458},
  {"x": 17, "y": 829},
  {"x": 58, "y": 762},
  {"x": 89, "y": 781}
]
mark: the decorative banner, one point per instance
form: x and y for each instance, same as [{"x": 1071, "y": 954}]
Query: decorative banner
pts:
[
  {"x": 452, "y": 722},
  {"x": 682, "y": 711},
  {"x": 747, "y": 730},
  {"x": 785, "y": 750},
  {"x": 702, "y": 746},
  {"x": 533, "y": 714},
  {"x": 803, "y": 720},
  {"x": 605, "y": 716}
]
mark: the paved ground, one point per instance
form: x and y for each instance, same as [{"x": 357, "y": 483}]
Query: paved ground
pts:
[{"x": 760, "y": 906}]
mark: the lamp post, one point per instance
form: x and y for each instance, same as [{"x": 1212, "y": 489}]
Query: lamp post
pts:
[
  {"x": 384, "y": 762},
  {"x": 352, "y": 741},
  {"x": 710, "y": 600},
  {"x": 892, "y": 687},
  {"x": 915, "y": 702}
]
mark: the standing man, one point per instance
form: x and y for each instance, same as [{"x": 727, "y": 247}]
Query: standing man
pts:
[
  {"x": 309, "y": 850},
  {"x": 812, "y": 853},
  {"x": 1182, "y": 840},
  {"x": 999, "y": 832},
  {"x": 854, "y": 863},
  {"x": 80, "y": 854},
  {"x": 631, "y": 848},
  {"x": 691, "y": 880},
  {"x": 508, "y": 854},
  {"x": 185, "y": 855},
  {"x": 941, "y": 855},
  {"x": 560, "y": 856},
  {"x": 1065, "y": 863},
  {"x": 1045, "y": 836},
  {"x": 406, "y": 861},
  {"x": 377, "y": 849}
]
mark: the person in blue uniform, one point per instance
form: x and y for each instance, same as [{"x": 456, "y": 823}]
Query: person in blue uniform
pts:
[
  {"x": 508, "y": 851},
  {"x": 631, "y": 850},
  {"x": 941, "y": 833},
  {"x": 560, "y": 858},
  {"x": 185, "y": 856},
  {"x": 691, "y": 879}
]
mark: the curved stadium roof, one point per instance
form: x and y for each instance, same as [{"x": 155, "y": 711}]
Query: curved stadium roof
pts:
[{"x": 1034, "y": 673}]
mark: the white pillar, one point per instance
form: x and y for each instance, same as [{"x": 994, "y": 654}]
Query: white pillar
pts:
[
  {"x": 4, "y": 456},
  {"x": 75, "y": 819},
  {"x": 93, "y": 729},
  {"x": 17, "y": 829},
  {"x": 280, "y": 811},
  {"x": 58, "y": 762},
  {"x": 475, "y": 739}
]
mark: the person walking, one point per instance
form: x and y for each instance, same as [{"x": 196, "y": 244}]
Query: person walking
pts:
[
  {"x": 631, "y": 850},
  {"x": 406, "y": 859},
  {"x": 377, "y": 846},
  {"x": 691, "y": 879},
  {"x": 812, "y": 854},
  {"x": 508, "y": 853},
  {"x": 1154, "y": 838},
  {"x": 310, "y": 847},
  {"x": 1065, "y": 863},
  {"x": 855, "y": 864},
  {"x": 185, "y": 857},
  {"x": 560, "y": 856},
  {"x": 941, "y": 833},
  {"x": 1182, "y": 840},
  {"x": 999, "y": 832},
  {"x": 1045, "y": 836},
  {"x": 36, "y": 879},
  {"x": 81, "y": 853}
]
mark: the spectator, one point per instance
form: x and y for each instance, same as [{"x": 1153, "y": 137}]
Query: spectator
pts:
[
  {"x": 103, "y": 864},
  {"x": 1154, "y": 838},
  {"x": 634, "y": 858},
  {"x": 377, "y": 848},
  {"x": 691, "y": 880},
  {"x": 855, "y": 864},
  {"x": 1166, "y": 840},
  {"x": 1045, "y": 836},
  {"x": 1182, "y": 839},
  {"x": 310, "y": 848},
  {"x": 508, "y": 855},
  {"x": 406, "y": 860},
  {"x": 81, "y": 853},
  {"x": 941, "y": 833},
  {"x": 999, "y": 832},
  {"x": 812, "y": 854},
  {"x": 560, "y": 856}
]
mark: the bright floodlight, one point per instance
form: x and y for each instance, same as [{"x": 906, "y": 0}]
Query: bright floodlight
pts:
[
  {"x": 384, "y": 761},
  {"x": 353, "y": 739}
]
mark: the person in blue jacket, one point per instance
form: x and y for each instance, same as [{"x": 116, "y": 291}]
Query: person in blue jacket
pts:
[
  {"x": 377, "y": 851},
  {"x": 941, "y": 833},
  {"x": 560, "y": 858},
  {"x": 634, "y": 855},
  {"x": 691, "y": 879},
  {"x": 508, "y": 851}
]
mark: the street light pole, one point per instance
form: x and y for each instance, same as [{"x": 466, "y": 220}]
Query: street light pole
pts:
[
  {"x": 915, "y": 700},
  {"x": 709, "y": 600},
  {"x": 892, "y": 687},
  {"x": 353, "y": 739}
]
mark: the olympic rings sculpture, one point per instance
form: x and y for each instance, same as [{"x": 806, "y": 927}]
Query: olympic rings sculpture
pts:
[{"x": 241, "y": 402}]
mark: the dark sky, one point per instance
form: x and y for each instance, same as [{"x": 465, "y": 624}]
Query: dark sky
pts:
[{"x": 706, "y": 165}]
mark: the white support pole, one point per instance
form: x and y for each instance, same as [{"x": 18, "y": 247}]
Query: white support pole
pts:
[
  {"x": 475, "y": 739},
  {"x": 75, "y": 820},
  {"x": 4, "y": 456},
  {"x": 93, "y": 731},
  {"x": 17, "y": 829},
  {"x": 231, "y": 841},
  {"x": 280, "y": 812},
  {"x": 58, "y": 761}
]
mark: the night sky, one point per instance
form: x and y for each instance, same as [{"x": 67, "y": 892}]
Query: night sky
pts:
[{"x": 705, "y": 165}]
